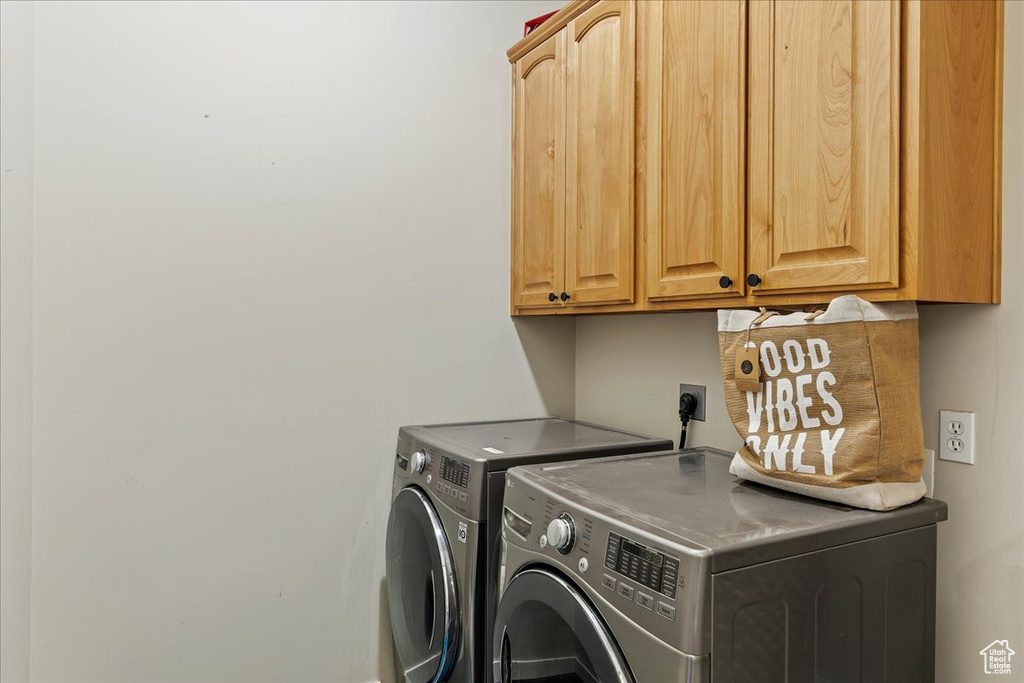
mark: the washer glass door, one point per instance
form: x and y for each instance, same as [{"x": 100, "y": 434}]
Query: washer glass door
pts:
[
  {"x": 546, "y": 631},
  {"x": 422, "y": 592}
]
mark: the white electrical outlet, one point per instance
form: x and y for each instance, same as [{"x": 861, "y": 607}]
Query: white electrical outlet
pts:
[{"x": 956, "y": 436}]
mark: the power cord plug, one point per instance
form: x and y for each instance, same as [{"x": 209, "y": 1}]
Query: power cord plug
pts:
[{"x": 687, "y": 406}]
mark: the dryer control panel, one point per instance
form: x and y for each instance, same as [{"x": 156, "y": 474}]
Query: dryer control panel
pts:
[
  {"x": 649, "y": 578},
  {"x": 646, "y": 566}
]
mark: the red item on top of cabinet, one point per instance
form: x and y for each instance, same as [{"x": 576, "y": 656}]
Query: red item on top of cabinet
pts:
[{"x": 534, "y": 23}]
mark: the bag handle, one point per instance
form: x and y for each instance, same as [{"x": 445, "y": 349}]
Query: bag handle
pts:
[
  {"x": 747, "y": 358},
  {"x": 765, "y": 314},
  {"x": 813, "y": 311}
]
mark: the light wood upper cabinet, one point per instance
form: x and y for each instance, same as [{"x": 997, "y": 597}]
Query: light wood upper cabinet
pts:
[
  {"x": 538, "y": 213},
  {"x": 599, "y": 154},
  {"x": 824, "y": 165},
  {"x": 693, "y": 63},
  {"x": 677, "y": 154},
  {"x": 573, "y": 227},
  {"x": 951, "y": 142}
]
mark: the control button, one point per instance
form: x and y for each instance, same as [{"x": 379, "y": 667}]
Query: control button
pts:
[
  {"x": 667, "y": 611},
  {"x": 462, "y": 496},
  {"x": 584, "y": 565},
  {"x": 447, "y": 490},
  {"x": 418, "y": 462},
  {"x": 626, "y": 591},
  {"x": 608, "y": 582},
  {"x": 543, "y": 541},
  {"x": 562, "y": 533},
  {"x": 644, "y": 600},
  {"x": 440, "y": 486}
]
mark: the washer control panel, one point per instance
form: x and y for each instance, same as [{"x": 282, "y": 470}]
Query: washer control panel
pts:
[
  {"x": 454, "y": 472},
  {"x": 453, "y": 481}
]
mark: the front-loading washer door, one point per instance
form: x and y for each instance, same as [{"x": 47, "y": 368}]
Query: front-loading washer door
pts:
[
  {"x": 546, "y": 631},
  {"x": 422, "y": 593}
]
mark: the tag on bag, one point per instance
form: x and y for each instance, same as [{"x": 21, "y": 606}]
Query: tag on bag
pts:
[{"x": 748, "y": 369}]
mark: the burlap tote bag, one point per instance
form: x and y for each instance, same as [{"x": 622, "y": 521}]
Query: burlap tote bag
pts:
[{"x": 828, "y": 403}]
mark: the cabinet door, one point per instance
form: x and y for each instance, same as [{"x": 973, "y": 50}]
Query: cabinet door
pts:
[
  {"x": 538, "y": 213},
  {"x": 601, "y": 82},
  {"x": 823, "y": 137},
  {"x": 693, "y": 103}
]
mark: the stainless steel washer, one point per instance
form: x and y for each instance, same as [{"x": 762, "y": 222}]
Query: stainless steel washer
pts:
[
  {"x": 443, "y": 532},
  {"x": 664, "y": 568}
]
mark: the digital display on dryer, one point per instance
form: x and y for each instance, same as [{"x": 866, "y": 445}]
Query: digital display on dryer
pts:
[
  {"x": 646, "y": 566},
  {"x": 652, "y": 556}
]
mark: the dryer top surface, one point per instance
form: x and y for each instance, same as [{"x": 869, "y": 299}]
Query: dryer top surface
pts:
[{"x": 689, "y": 498}]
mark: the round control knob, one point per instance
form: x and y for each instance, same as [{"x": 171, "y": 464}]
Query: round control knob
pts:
[
  {"x": 418, "y": 462},
  {"x": 562, "y": 533}
]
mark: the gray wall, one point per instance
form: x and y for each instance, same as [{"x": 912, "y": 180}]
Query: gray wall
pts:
[
  {"x": 266, "y": 235},
  {"x": 15, "y": 337}
]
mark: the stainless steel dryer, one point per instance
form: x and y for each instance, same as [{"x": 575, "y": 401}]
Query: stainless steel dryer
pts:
[
  {"x": 664, "y": 568},
  {"x": 444, "y": 530}
]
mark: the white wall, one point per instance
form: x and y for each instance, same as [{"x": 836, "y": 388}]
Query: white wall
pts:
[
  {"x": 15, "y": 337},
  {"x": 266, "y": 236},
  {"x": 628, "y": 371}
]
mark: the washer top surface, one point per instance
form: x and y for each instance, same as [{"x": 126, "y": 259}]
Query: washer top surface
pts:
[
  {"x": 690, "y": 498},
  {"x": 511, "y": 442}
]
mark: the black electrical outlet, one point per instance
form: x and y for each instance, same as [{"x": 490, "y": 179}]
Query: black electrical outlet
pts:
[{"x": 701, "y": 392}]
